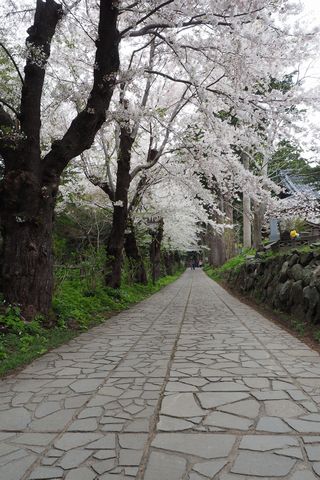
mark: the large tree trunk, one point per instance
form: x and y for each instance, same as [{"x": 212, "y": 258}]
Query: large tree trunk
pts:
[
  {"x": 136, "y": 264},
  {"x": 247, "y": 239},
  {"x": 155, "y": 251},
  {"x": 27, "y": 266},
  {"x": 258, "y": 215},
  {"x": 168, "y": 258},
  {"x": 120, "y": 213},
  {"x": 229, "y": 237},
  {"x": 26, "y": 227}
]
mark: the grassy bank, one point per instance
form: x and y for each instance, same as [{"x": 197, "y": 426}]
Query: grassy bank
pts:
[
  {"x": 233, "y": 263},
  {"x": 77, "y": 309}
]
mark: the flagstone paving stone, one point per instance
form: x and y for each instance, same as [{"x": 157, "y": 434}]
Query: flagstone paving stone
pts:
[{"x": 190, "y": 384}]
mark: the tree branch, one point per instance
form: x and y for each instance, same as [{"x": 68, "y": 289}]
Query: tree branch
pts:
[
  {"x": 38, "y": 42},
  {"x": 156, "y": 9},
  {"x": 6, "y": 104},
  {"x": 107, "y": 162},
  {"x": 13, "y": 61},
  {"x": 153, "y": 154},
  {"x": 86, "y": 124}
]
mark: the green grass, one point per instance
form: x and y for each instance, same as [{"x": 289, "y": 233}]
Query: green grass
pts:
[
  {"x": 233, "y": 263},
  {"x": 236, "y": 262},
  {"x": 76, "y": 309}
]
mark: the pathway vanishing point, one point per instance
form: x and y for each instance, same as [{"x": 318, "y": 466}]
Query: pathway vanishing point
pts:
[{"x": 190, "y": 384}]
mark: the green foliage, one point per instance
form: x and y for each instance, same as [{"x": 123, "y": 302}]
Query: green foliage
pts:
[
  {"x": 298, "y": 326},
  {"x": 316, "y": 335},
  {"x": 294, "y": 223},
  {"x": 289, "y": 157},
  {"x": 233, "y": 263}
]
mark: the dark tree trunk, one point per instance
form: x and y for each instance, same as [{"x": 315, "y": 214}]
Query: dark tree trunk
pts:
[
  {"x": 120, "y": 213},
  {"x": 27, "y": 267},
  {"x": 155, "y": 251},
  {"x": 258, "y": 214},
  {"x": 136, "y": 263},
  {"x": 30, "y": 183},
  {"x": 168, "y": 262}
]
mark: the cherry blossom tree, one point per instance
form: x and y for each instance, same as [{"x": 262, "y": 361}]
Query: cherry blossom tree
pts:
[{"x": 77, "y": 54}]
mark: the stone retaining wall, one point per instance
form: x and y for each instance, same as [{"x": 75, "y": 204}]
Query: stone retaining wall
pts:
[{"x": 290, "y": 283}]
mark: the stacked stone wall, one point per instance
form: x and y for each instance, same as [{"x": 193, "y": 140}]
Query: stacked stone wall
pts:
[{"x": 289, "y": 283}]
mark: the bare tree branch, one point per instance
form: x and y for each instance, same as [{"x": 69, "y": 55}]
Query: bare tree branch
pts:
[
  {"x": 6, "y": 104},
  {"x": 148, "y": 15},
  {"x": 12, "y": 60}
]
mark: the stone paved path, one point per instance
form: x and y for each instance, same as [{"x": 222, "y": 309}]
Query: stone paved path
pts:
[{"x": 188, "y": 385}]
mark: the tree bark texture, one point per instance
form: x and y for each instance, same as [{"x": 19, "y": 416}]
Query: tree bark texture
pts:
[
  {"x": 120, "y": 212},
  {"x": 168, "y": 259},
  {"x": 247, "y": 238},
  {"x": 258, "y": 216},
  {"x": 229, "y": 236},
  {"x": 136, "y": 264},
  {"x": 155, "y": 251}
]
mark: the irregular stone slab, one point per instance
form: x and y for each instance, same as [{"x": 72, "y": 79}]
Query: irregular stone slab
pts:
[
  {"x": 270, "y": 395},
  {"x": 245, "y": 408},
  {"x": 83, "y": 473},
  {"x": 83, "y": 386},
  {"x": 262, "y": 464},
  {"x": 257, "y": 382},
  {"x": 130, "y": 457},
  {"x": 313, "y": 452},
  {"x": 14, "y": 419},
  {"x": 54, "y": 422},
  {"x": 46, "y": 408},
  {"x": 316, "y": 467},
  {"x": 227, "y": 421},
  {"x": 195, "y": 476},
  {"x": 304, "y": 426},
  {"x": 209, "y": 469},
  {"x": 73, "y": 459},
  {"x": 181, "y": 405},
  {"x": 180, "y": 387},
  {"x": 106, "y": 442},
  {"x": 173, "y": 424},
  {"x": 161, "y": 465},
  {"x": 17, "y": 469},
  {"x": 202, "y": 445},
  {"x": 303, "y": 475},
  {"x": 258, "y": 354},
  {"x": 134, "y": 442},
  {"x": 73, "y": 440},
  {"x": 212, "y": 400},
  {"x": 283, "y": 408},
  {"x": 85, "y": 425},
  {"x": 39, "y": 439},
  {"x": 272, "y": 424},
  {"x": 225, "y": 387},
  {"x": 312, "y": 439},
  {"x": 43, "y": 473},
  {"x": 101, "y": 467},
  {"x": 264, "y": 443},
  {"x": 294, "y": 452}
]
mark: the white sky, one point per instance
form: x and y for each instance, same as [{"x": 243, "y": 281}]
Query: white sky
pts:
[{"x": 310, "y": 18}]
